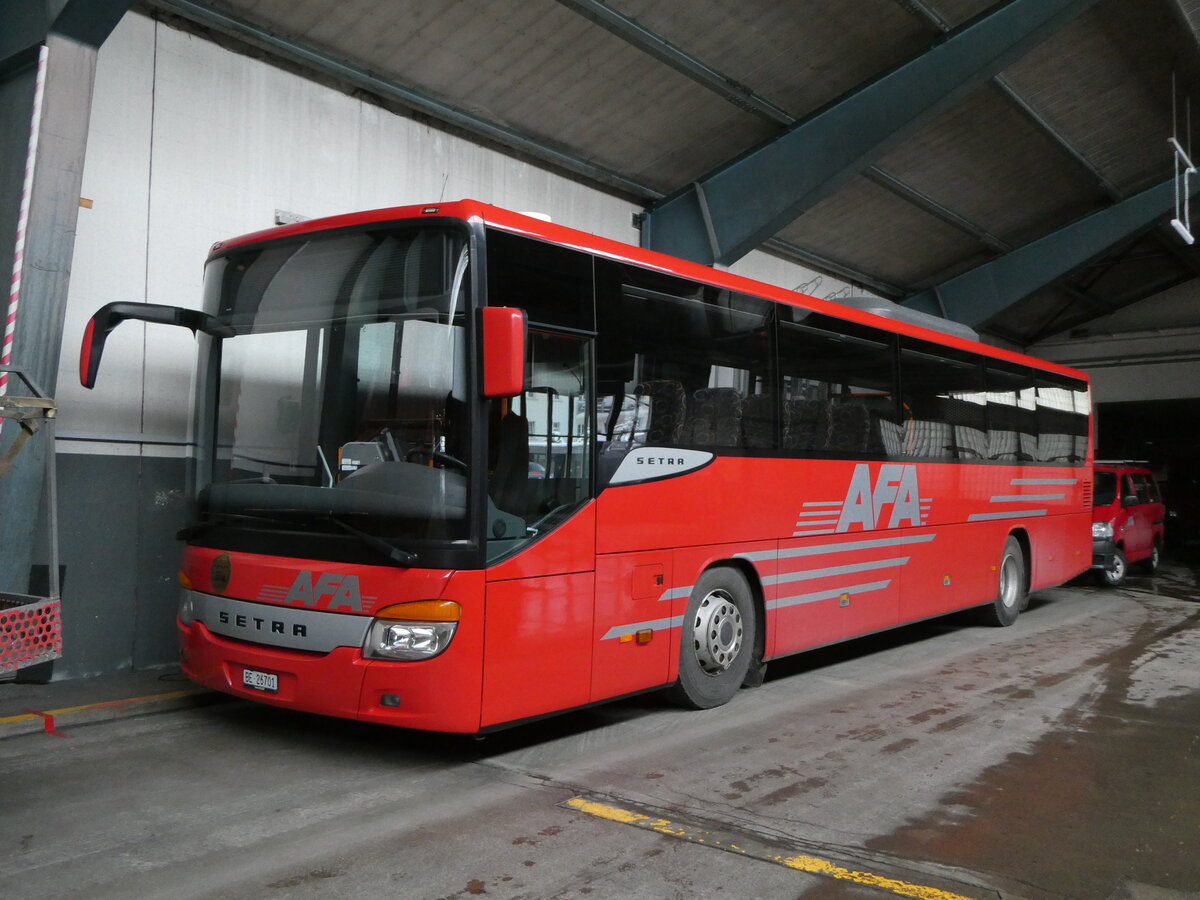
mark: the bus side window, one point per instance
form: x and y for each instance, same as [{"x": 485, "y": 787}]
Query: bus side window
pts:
[
  {"x": 677, "y": 363},
  {"x": 540, "y": 442},
  {"x": 942, "y": 392}
]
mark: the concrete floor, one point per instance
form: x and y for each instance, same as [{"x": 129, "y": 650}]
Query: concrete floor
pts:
[{"x": 1057, "y": 758}]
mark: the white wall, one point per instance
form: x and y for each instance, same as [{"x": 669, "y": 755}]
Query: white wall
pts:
[
  {"x": 1149, "y": 350},
  {"x": 191, "y": 143}
]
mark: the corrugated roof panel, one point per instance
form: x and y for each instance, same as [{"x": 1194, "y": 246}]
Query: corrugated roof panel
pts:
[
  {"x": 797, "y": 55},
  {"x": 986, "y": 161},
  {"x": 876, "y": 231},
  {"x": 1104, "y": 82},
  {"x": 540, "y": 68}
]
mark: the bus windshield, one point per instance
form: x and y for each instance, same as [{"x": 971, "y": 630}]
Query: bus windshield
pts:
[{"x": 339, "y": 405}]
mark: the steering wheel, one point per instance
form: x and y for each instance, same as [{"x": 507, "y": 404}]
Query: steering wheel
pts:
[{"x": 446, "y": 460}]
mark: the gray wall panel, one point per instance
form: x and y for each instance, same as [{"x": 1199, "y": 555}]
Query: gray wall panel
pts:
[{"x": 118, "y": 518}]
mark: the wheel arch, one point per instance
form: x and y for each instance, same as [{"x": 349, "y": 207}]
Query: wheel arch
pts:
[
  {"x": 747, "y": 570},
  {"x": 1026, "y": 543}
]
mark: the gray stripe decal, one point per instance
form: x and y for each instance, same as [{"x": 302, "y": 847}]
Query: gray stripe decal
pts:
[
  {"x": 676, "y": 593},
  {"x": 812, "y": 574},
  {"x": 656, "y": 624},
  {"x": 1030, "y": 497},
  {"x": 1014, "y": 514},
  {"x": 844, "y": 547},
  {"x": 1045, "y": 481},
  {"x": 853, "y": 589}
]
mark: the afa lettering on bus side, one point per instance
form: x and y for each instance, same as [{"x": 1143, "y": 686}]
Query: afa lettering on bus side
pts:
[
  {"x": 866, "y": 502},
  {"x": 341, "y": 590}
]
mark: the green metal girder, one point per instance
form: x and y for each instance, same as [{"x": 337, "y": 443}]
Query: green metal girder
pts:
[
  {"x": 979, "y": 294},
  {"x": 27, "y": 23},
  {"x": 732, "y": 210}
]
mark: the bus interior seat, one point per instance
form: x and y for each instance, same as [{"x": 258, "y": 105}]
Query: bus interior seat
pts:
[
  {"x": 805, "y": 424},
  {"x": 758, "y": 422},
  {"x": 668, "y": 410},
  {"x": 715, "y": 418},
  {"x": 849, "y": 426},
  {"x": 510, "y": 480}
]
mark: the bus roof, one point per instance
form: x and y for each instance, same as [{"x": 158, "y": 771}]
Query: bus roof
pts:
[{"x": 531, "y": 226}]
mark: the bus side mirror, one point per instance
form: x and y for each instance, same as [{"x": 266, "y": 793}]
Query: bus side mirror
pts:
[
  {"x": 503, "y": 351},
  {"x": 113, "y": 314}
]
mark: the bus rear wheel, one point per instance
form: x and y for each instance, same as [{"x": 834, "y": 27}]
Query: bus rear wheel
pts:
[
  {"x": 1012, "y": 592},
  {"x": 718, "y": 640}
]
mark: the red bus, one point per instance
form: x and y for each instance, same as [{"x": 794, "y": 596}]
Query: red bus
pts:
[{"x": 459, "y": 468}]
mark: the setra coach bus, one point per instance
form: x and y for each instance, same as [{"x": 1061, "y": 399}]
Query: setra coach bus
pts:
[{"x": 459, "y": 468}]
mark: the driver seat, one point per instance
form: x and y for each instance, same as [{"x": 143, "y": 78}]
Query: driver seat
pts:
[{"x": 509, "y": 488}]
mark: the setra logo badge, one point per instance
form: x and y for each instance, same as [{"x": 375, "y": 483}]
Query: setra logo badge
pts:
[{"x": 220, "y": 572}]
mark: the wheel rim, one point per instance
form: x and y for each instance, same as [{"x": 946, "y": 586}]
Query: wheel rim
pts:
[
  {"x": 1154, "y": 557},
  {"x": 1117, "y": 571},
  {"x": 717, "y": 632},
  {"x": 1010, "y": 582}
]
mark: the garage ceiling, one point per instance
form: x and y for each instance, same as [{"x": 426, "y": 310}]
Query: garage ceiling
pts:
[{"x": 648, "y": 96}]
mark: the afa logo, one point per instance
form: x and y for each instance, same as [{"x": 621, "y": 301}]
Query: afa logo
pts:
[
  {"x": 891, "y": 501},
  {"x": 341, "y": 590}
]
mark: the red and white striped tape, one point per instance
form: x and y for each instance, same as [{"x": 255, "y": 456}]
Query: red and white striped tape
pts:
[{"x": 14, "y": 294}]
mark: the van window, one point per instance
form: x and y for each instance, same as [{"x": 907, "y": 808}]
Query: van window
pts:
[{"x": 1106, "y": 489}]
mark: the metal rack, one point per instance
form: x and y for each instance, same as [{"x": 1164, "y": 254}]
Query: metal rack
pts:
[{"x": 31, "y": 626}]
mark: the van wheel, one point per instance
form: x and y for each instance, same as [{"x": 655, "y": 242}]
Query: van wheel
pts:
[
  {"x": 1113, "y": 575},
  {"x": 1150, "y": 563},
  {"x": 717, "y": 642},
  {"x": 1012, "y": 590}
]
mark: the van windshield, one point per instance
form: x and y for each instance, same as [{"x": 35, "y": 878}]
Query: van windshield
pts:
[{"x": 1105, "y": 492}]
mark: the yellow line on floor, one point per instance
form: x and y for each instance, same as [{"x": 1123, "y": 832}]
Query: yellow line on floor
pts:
[
  {"x": 24, "y": 717},
  {"x": 810, "y": 864}
]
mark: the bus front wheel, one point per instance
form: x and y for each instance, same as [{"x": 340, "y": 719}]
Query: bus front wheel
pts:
[
  {"x": 1012, "y": 591},
  {"x": 718, "y": 640}
]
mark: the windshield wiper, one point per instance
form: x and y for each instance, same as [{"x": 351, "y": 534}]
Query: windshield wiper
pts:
[
  {"x": 217, "y": 518},
  {"x": 391, "y": 551}
]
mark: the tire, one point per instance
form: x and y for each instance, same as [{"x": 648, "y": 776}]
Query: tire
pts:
[
  {"x": 1012, "y": 591},
  {"x": 1113, "y": 575},
  {"x": 718, "y": 640},
  {"x": 1150, "y": 564}
]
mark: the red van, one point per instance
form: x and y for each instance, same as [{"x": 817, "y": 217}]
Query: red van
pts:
[{"x": 1127, "y": 520}]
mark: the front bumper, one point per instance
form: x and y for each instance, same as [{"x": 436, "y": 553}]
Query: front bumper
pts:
[
  {"x": 440, "y": 694},
  {"x": 1102, "y": 552}
]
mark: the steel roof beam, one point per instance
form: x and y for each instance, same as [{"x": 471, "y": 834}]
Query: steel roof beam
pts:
[
  {"x": 653, "y": 44},
  {"x": 939, "y": 211},
  {"x": 630, "y": 31},
  {"x": 979, "y": 294},
  {"x": 751, "y": 198}
]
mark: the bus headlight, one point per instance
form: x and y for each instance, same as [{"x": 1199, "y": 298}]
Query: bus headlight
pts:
[
  {"x": 187, "y": 609},
  {"x": 1102, "y": 530},
  {"x": 412, "y": 631}
]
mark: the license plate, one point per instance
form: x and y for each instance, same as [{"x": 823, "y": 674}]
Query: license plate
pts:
[{"x": 260, "y": 681}]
